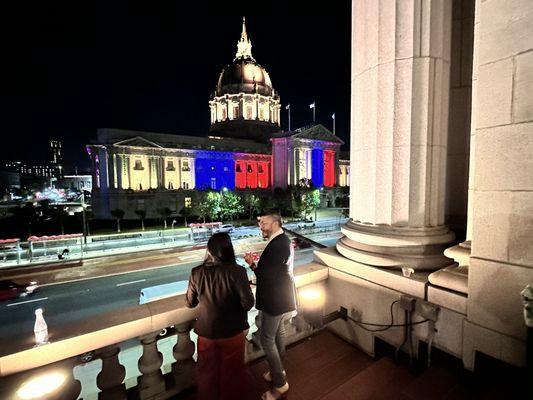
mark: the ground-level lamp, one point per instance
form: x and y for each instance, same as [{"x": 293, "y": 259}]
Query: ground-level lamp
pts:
[{"x": 311, "y": 302}]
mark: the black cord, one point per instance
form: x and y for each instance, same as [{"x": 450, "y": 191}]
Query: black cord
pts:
[{"x": 385, "y": 327}]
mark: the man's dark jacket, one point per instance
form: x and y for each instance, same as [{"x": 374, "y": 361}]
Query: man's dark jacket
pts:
[
  {"x": 275, "y": 292},
  {"x": 224, "y": 295}
]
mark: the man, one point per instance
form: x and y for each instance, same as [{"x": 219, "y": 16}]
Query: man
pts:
[{"x": 275, "y": 298}]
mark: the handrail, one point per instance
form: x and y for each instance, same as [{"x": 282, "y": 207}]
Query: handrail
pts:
[{"x": 115, "y": 327}]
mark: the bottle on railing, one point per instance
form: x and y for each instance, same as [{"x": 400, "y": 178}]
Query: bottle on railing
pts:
[{"x": 40, "y": 329}]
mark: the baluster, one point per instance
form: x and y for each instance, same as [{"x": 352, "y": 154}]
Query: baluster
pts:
[
  {"x": 110, "y": 378},
  {"x": 183, "y": 368},
  {"x": 151, "y": 382}
]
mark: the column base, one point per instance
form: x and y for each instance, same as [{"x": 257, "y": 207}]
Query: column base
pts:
[{"x": 384, "y": 246}]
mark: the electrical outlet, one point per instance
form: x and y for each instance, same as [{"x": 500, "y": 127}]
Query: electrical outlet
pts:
[{"x": 428, "y": 310}]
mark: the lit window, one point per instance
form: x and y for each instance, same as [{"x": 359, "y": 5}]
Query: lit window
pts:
[
  {"x": 213, "y": 183},
  {"x": 188, "y": 202}
]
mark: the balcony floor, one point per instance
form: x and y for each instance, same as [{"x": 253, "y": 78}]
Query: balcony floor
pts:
[{"x": 324, "y": 367}]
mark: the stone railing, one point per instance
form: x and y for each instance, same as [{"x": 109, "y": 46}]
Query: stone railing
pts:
[{"x": 113, "y": 338}]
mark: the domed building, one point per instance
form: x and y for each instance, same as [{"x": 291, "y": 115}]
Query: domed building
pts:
[
  {"x": 245, "y": 150},
  {"x": 245, "y": 105}
]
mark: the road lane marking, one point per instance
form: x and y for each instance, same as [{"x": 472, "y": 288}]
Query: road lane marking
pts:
[
  {"x": 129, "y": 283},
  {"x": 190, "y": 257},
  {"x": 27, "y": 301}
]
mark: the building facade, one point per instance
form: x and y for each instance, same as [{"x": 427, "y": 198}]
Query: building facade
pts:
[{"x": 245, "y": 150}]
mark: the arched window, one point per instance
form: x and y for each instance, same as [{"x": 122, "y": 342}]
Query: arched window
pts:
[{"x": 138, "y": 165}]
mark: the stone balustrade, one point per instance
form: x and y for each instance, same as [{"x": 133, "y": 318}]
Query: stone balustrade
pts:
[{"x": 107, "y": 334}]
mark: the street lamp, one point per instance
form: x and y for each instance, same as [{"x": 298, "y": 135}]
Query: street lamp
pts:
[
  {"x": 84, "y": 217},
  {"x": 173, "y": 235}
]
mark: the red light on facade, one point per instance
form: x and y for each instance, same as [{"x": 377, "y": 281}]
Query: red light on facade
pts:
[
  {"x": 240, "y": 174},
  {"x": 329, "y": 168}
]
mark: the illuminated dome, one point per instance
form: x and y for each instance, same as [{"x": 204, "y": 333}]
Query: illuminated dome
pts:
[
  {"x": 244, "y": 76},
  {"x": 244, "y": 103}
]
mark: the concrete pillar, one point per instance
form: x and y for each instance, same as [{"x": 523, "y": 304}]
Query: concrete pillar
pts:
[{"x": 400, "y": 88}]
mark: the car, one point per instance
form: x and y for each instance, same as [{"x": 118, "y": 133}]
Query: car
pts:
[
  {"x": 227, "y": 228},
  {"x": 12, "y": 290}
]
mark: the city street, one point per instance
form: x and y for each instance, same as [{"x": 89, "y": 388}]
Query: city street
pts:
[{"x": 68, "y": 302}]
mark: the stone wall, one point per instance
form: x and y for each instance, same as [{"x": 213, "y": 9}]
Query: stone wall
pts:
[{"x": 501, "y": 174}]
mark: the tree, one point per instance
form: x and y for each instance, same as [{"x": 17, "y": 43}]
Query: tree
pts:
[
  {"x": 142, "y": 215},
  {"x": 209, "y": 205},
  {"x": 26, "y": 214},
  {"x": 186, "y": 212},
  {"x": 230, "y": 205},
  {"x": 118, "y": 214},
  {"x": 60, "y": 214},
  {"x": 311, "y": 201},
  {"x": 165, "y": 213},
  {"x": 251, "y": 203}
]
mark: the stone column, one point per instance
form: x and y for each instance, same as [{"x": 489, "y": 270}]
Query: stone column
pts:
[
  {"x": 112, "y": 170},
  {"x": 120, "y": 161},
  {"x": 110, "y": 378},
  {"x": 161, "y": 174},
  {"x": 400, "y": 87},
  {"x": 127, "y": 159},
  {"x": 183, "y": 368},
  {"x": 296, "y": 165},
  {"x": 151, "y": 382},
  {"x": 94, "y": 171},
  {"x": 103, "y": 162}
]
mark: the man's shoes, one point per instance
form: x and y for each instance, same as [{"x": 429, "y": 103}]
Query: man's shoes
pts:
[
  {"x": 276, "y": 393},
  {"x": 267, "y": 376}
]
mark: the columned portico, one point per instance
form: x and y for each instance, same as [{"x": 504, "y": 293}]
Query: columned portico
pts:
[{"x": 400, "y": 86}]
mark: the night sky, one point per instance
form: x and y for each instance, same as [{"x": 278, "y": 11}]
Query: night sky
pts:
[{"x": 153, "y": 67}]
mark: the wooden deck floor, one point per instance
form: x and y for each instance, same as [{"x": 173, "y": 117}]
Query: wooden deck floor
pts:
[{"x": 324, "y": 367}]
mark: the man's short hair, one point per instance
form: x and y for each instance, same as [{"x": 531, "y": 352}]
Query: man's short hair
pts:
[{"x": 275, "y": 217}]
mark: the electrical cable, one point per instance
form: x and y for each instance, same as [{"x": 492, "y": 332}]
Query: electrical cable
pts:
[{"x": 385, "y": 327}]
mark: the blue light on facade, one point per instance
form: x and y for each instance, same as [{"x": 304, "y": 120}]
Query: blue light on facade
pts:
[
  {"x": 317, "y": 168},
  {"x": 214, "y": 170}
]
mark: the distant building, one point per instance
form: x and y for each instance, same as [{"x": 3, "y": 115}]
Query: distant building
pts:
[
  {"x": 245, "y": 150},
  {"x": 56, "y": 158},
  {"x": 76, "y": 182},
  {"x": 41, "y": 170}
]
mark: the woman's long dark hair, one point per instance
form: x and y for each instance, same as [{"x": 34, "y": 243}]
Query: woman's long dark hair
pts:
[{"x": 220, "y": 250}]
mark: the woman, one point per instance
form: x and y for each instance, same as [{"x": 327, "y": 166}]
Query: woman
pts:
[{"x": 220, "y": 287}]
